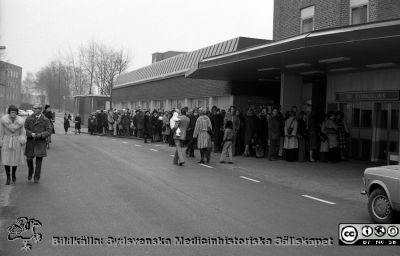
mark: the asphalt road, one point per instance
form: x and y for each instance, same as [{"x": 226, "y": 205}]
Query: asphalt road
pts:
[{"x": 109, "y": 187}]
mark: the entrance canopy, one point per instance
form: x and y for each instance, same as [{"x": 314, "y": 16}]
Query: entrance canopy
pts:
[{"x": 347, "y": 49}]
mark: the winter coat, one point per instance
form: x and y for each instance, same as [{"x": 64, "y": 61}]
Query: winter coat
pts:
[
  {"x": 203, "y": 124},
  {"x": 249, "y": 130},
  {"x": 147, "y": 126},
  {"x": 190, "y": 130},
  {"x": 183, "y": 126},
  {"x": 92, "y": 124},
  {"x": 140, "y": 120},
  {"x": 217, "y": 122},
  {"x": 274, "y": 128},
  {"x": 12, "y": 141},
  {"x": 261, "y": 130},
  {"x": 125, "y": 121},
  {"x": 165, "y": 126},
  {"x": 155, "y": 125},
  {"x": 36, "y": 147},
  {"x": 291, "y": 141},
  {"x": 66, "y": 122},
  {"x": 78, "y": 122}
]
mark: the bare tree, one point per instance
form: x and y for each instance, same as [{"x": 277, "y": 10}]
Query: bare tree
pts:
[
  {"x": 118, "y": 63},
  {"x": 94, "y": 66},
  {"x": 88, "y": 60},
  {"x": 74, "y": 74}
]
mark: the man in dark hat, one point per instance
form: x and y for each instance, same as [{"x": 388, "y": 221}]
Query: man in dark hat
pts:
[{"x": 38, "y": 128}]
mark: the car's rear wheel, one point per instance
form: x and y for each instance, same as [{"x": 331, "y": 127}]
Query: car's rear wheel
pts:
[{"x": 379, "y": 207}]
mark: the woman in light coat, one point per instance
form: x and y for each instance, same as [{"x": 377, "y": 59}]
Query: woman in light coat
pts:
[
  {"x": 12, "y": 142},
  {"x": 202, "y": 132},
  {"x": 291, "y": 143}
]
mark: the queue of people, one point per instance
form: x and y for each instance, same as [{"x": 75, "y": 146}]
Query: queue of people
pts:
[{"x": 259, "y": 132}]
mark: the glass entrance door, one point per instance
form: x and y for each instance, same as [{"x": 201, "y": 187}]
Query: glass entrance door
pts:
[
  {"x": 381, "y": 131},
  {"x": 374, "y": 129},
  {"x": 387, "y": 130},
  {"x": 361, "y": 130}
]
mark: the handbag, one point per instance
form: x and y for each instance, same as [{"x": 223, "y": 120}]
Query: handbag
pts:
[{"x": 290, "y": 129}]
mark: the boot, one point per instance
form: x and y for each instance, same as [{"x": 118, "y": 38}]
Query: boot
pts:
[
  {"x": 14, "y": 178},
  {"x": 8, "y": 177}
]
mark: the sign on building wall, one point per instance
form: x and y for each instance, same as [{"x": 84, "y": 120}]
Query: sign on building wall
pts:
[{"x": 368, "y": 96}]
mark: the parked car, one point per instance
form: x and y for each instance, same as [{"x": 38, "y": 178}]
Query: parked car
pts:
[
  {"x": 382, "y": 186},
  {"x": 22, "y": 113},
  {"x": 30, "y": 111}
]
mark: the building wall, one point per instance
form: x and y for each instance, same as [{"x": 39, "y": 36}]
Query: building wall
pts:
[
  {"x": 10, "y": 81},
  {"x": 171, "y": 92},
  {"x": 328, "y": 14},
  {"x": 179, "y": 92}
]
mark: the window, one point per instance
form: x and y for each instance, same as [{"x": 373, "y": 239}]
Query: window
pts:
[
  {"x": 358, "y": 12},
  {"x": 307, "y": 19}
]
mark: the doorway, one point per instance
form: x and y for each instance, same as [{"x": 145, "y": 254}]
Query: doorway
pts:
[{"x": 373, "y": 127}]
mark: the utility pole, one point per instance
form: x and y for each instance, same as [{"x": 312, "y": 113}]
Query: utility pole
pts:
[
  {"x": 59, "y": 88},
  {"x": 3, "y": 107}
]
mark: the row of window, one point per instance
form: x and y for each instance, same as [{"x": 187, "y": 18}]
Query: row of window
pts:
[
  {"x": 12, "y": 73},
  {"x": 167, "y": 104},
  {"x": 12, "y": 96},
  {"x": 358, "y": 15},
  {"x": 12, "y": 84}
]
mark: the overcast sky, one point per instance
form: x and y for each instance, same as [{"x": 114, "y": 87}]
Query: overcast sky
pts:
[{"x": 37, "y": 31}]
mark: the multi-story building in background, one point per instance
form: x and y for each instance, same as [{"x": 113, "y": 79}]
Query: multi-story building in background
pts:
[
  {"x": 10, "y": 85},
  {"x": 294, "y": 17}
]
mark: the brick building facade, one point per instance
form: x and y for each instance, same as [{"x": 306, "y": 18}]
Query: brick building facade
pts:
[
  {"x": 328, "y": 14},
  {"x": 10, "y": 85}
]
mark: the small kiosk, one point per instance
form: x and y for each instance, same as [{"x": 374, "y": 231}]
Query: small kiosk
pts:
[{"x": 86, "y": 104}]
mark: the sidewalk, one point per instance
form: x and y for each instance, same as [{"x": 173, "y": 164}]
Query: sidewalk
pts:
[{"x": 342, "y": 179}]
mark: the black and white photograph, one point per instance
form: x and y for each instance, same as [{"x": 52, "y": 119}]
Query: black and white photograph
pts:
[{"x": 188, "y": 127}]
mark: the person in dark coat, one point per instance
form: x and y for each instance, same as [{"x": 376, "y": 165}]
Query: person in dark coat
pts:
[
  {"x": 249, "y": 131},
  {"x": 155, "y": 126},
  {"x": 92, "y": 124},
  {"x": 37, "y": 128},
  {"x": 238, "y": 147},
  {"x": 302, "y": 135},
  {"x": 99, "y": 124},
  {"x": 140, "y": 123},
  {"x": 125, "y": 123},
  {"x": 67, "y": 118},
  {"x": 147, "y": 128},
  {"x": 189, "y": 134},
  {"x": 217, "y": 122},
  {"x": 78, "y": 122},
  {"x": 274, "y": 133},
  {"x": 50, "y": 115},
  {"x": 261, "y": 133}
]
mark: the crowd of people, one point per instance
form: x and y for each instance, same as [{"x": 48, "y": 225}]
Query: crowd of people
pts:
[{"x": 260, "y": 132}]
